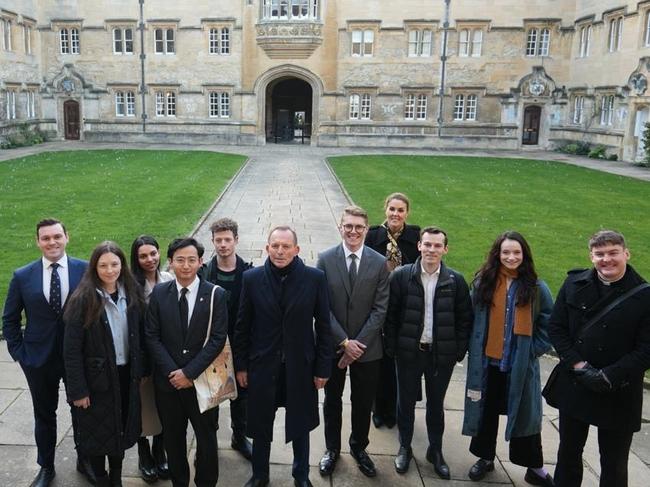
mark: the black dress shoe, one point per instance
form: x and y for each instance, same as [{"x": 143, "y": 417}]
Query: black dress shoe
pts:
[
  {"x": 439, "y": 465},
  {"x": 328, "y": 462},
  {"x": 480, "y": 468},
  {"x": 302, "y": 483},
  {"x": 146, "y": 463},
  {"x": 85, "y": 468},
  {"x": 532, "y": 478},
  {"x": 255, "y": 482},
  {"x": 377, "y": 420},
  {"x": 44, "y": 477},
  {"x": 403, "y": 459},
  {"x": 243, "y": 445},
  {"x": 364, "y": 462},
  {"x": 160, "y": 458}
]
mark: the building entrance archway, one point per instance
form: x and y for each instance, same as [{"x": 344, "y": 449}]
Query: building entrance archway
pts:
[
  {"x": 532, "y": 117},
  {"x": 71, "y": 120},
  {"x": 288, "y": 110}
]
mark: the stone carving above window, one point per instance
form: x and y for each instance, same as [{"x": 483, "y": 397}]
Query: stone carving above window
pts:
[
  {"x": 638, "y": 81},
  {"x": 285, "y": 40}
]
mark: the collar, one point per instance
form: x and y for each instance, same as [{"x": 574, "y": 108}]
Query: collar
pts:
[
  {"x": 63, "y": 262},
  {"x": 191, "y": 288},
  {"x": 121, "y": 293},
  {"x": 434, "y": 273},
  {"x": 348, "y": 252}
]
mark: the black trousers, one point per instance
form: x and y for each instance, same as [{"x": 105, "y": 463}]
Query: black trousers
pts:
[
  {"x": 175, "y": 409},
  {"x": 386, "y": 395},
  {"x": 238, "y": 409},
  {"x": 43, "y": 385},
  {"x": 614, "y": 447},
  {"x": 363, "y": 384},
  {"x": 525, "y": 450},
  {"x": 409, "y": 382}
]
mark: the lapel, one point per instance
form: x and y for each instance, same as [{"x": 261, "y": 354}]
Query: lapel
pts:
[
  {"x": 201, "y": 311},
  {"x": 294, "y": 287},
  {"x": 75, "y": 272},
  {"x": 172, "y": 313},
  {"x": 267, "y": 293},
  {"x": 36, "y": 282},
  {"x": 341, "y": 265}
]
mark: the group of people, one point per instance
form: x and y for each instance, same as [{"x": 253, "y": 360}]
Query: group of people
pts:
[{"x": 381, "y": 307}]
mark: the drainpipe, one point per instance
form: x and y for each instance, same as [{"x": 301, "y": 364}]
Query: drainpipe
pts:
[
  {"x": 143, "y": 56},
  {"x": 443, "y": 65}
]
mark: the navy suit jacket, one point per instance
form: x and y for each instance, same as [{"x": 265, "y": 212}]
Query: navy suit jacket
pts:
[
  {"x": 43, "y": 334},
  {"x": 164, "y": 336}
]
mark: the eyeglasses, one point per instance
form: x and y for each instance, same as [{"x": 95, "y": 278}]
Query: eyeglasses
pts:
[{"x": 348, "y": 227}]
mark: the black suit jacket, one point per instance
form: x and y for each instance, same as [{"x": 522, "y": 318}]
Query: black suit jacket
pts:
[{"x": 164, "y": 336}]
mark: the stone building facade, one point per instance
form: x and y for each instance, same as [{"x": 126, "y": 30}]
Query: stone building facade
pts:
[{"x": 434, "y": 73}]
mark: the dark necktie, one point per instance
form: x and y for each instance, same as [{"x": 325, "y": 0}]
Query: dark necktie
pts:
[
  {"x": 55, "y": 289},
  {"x": 352, "y": 271},
  {"x": 184, "y": 310}
]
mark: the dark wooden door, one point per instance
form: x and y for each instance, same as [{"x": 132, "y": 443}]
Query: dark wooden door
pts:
[
  {"x": 532, "y": 116},
  {"x": 71, "y": 119}
]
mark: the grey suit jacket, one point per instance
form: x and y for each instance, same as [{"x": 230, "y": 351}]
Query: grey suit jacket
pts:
[{"x": 357, "y": 313}]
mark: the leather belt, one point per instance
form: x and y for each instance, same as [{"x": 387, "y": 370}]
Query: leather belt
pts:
[{"x": 425, "y": 347}]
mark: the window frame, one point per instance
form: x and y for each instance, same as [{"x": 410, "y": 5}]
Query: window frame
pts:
[
  {"x": 124, "y": 42},
  {"x": 267, "y": 7},
  {"x": 578, "y": 109},
  {"x": 167, "y": 45},
  {"x": 615, "y": 33},
  {"x": 472, "y": 46},
  {"x": 465, "y": 107},
  {"x": 27, "y": 38},
  {"x": 10, "y": 104},
  {"x": 584, "y": 47},
  {"x": 30, "y": 104},
  {"x": 7, "y": 41},
  {"x": 219, "y": 104},
  {"x": 420, "y": 47},
  {"x": 363, "y": 42},
  {"x": 607, "y": 110},
  {"x": 646, "y": 36},
  {"x": 219, "y": 40},
  {"x": 165, "y": 101},
  {"x": 538, "y": 42}
]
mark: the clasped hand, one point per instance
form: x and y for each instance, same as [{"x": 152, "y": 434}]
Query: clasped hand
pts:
[
  {"x": 353, "y": 350},
  {"x": 178, "y": 380},
  {"x": 592, "y": 378}
]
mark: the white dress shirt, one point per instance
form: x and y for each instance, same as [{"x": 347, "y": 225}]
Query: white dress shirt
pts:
[
  {"x": 118, "y": 323},
  {"x": 192, "y": 292},
  {"x": 63, "y": 277},
  {"x": 348, "y": 253},
  {"x": 429, "y": 282}
]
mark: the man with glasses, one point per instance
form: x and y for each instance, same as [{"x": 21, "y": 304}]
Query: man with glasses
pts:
[
  {"x": 357, "y": 279},
  {"x": 600, "y": 327},
  {"x": 176, "y": 326}
]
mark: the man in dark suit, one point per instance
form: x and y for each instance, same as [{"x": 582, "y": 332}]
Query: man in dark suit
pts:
[
  {"x": 603, "y": 356},
  {"x": 226, "y": 269},
  {"x": 283, "y": 351},
  {"x": 357, "y": 280},
  {"x": 175, "y": 328},
  {"x": 427, "y": 328},
  {"x": 40, "y": 290}
]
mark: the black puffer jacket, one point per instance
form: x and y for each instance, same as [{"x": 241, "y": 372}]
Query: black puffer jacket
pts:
[
  {"x": 452, "y": 317},
  {"x": 91, "y": 371}
]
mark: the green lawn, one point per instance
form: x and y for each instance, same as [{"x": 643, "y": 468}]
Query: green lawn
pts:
[
  {"x": 107, "y": 194},
  {"x": 555, "y": 206}
]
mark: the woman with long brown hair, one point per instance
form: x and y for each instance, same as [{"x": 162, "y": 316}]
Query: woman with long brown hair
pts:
[
  {"x": 103, "y": 360},
  {"x": 511, "y": 311},
  {"x": 398, "y": 241}
]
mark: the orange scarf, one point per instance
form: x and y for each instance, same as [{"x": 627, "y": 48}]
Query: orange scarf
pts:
[{"x": 497, "y": 326}]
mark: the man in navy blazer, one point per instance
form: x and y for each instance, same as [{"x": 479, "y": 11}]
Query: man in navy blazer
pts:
[
  {"x": 175, "y": 330},
  {"x": 40, "y": 290},
  {"x": 283, "y": 351}
]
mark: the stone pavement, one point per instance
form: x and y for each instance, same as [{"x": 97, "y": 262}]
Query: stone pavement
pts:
[{"x": 291, "y": 184}]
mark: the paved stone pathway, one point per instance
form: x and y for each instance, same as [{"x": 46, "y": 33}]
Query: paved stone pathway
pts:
[{"x": 292, "y": 185}]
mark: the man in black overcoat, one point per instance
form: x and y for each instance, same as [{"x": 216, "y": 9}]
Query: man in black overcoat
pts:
[
  {"x": 283, "y": 351},
  {"x": 600, "y": 381}
]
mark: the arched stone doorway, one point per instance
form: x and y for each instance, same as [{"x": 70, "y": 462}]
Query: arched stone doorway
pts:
[
  {"x": 531, "y": 125},
  {"x": 288, "y": 110},
  {"x": 71, "y": 124}
]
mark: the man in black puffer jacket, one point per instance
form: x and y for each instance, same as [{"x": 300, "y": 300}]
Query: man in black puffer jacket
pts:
[{"x": 427, "y": 328}]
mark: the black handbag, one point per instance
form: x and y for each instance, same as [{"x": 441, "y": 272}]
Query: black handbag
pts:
[{"x": 551, "y": 391}]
